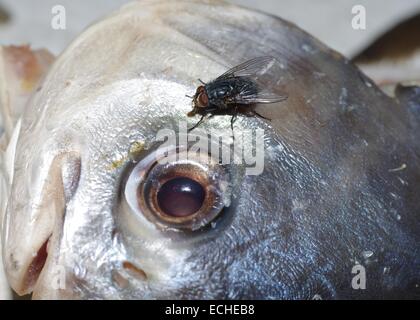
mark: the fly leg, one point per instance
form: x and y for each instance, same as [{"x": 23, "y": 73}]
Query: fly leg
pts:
[
  {"x": 200, "y": 121},
  {"x": 234, "y": 116},
  {"x": 197, "y": 124},
  {"x": 259, "y": 115},
  {"x": 232, "y": 121}
]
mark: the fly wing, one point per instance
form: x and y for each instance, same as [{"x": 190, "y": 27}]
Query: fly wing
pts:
[
  {"x": 262, "y": 95},
  {"x": 251, "y": 68},
  {"x": 256, "y": 70}
]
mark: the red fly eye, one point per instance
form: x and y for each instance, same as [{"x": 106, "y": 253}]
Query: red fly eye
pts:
[
  {"x": 203, "y": 99},
  {"x": 199, "y": 90}
]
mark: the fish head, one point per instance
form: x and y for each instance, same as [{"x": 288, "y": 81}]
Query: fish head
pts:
[{"x": 93, "y": 212}]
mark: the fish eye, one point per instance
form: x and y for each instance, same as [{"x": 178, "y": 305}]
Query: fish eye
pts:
[{"x": 178, "y": 190}]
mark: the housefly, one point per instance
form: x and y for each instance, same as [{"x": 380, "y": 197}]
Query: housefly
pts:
[{"x": 236, "y": 90}]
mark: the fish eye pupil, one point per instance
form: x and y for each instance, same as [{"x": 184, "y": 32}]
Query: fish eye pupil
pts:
[{"x": 180, "y": 197}]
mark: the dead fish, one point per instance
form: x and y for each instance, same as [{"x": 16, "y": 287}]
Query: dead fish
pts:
[{"x": 76, "y": 223}]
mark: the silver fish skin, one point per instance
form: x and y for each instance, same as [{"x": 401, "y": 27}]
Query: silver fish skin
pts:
[{"x": 339, "y": 187}]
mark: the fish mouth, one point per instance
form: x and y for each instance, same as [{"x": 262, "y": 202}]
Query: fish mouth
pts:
[
  {"x": 34, "y": 227},
  {"x": 41, "y": 273},
  {"x": 26, "y": 270},
  {"x": 35, "y": 268}
]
